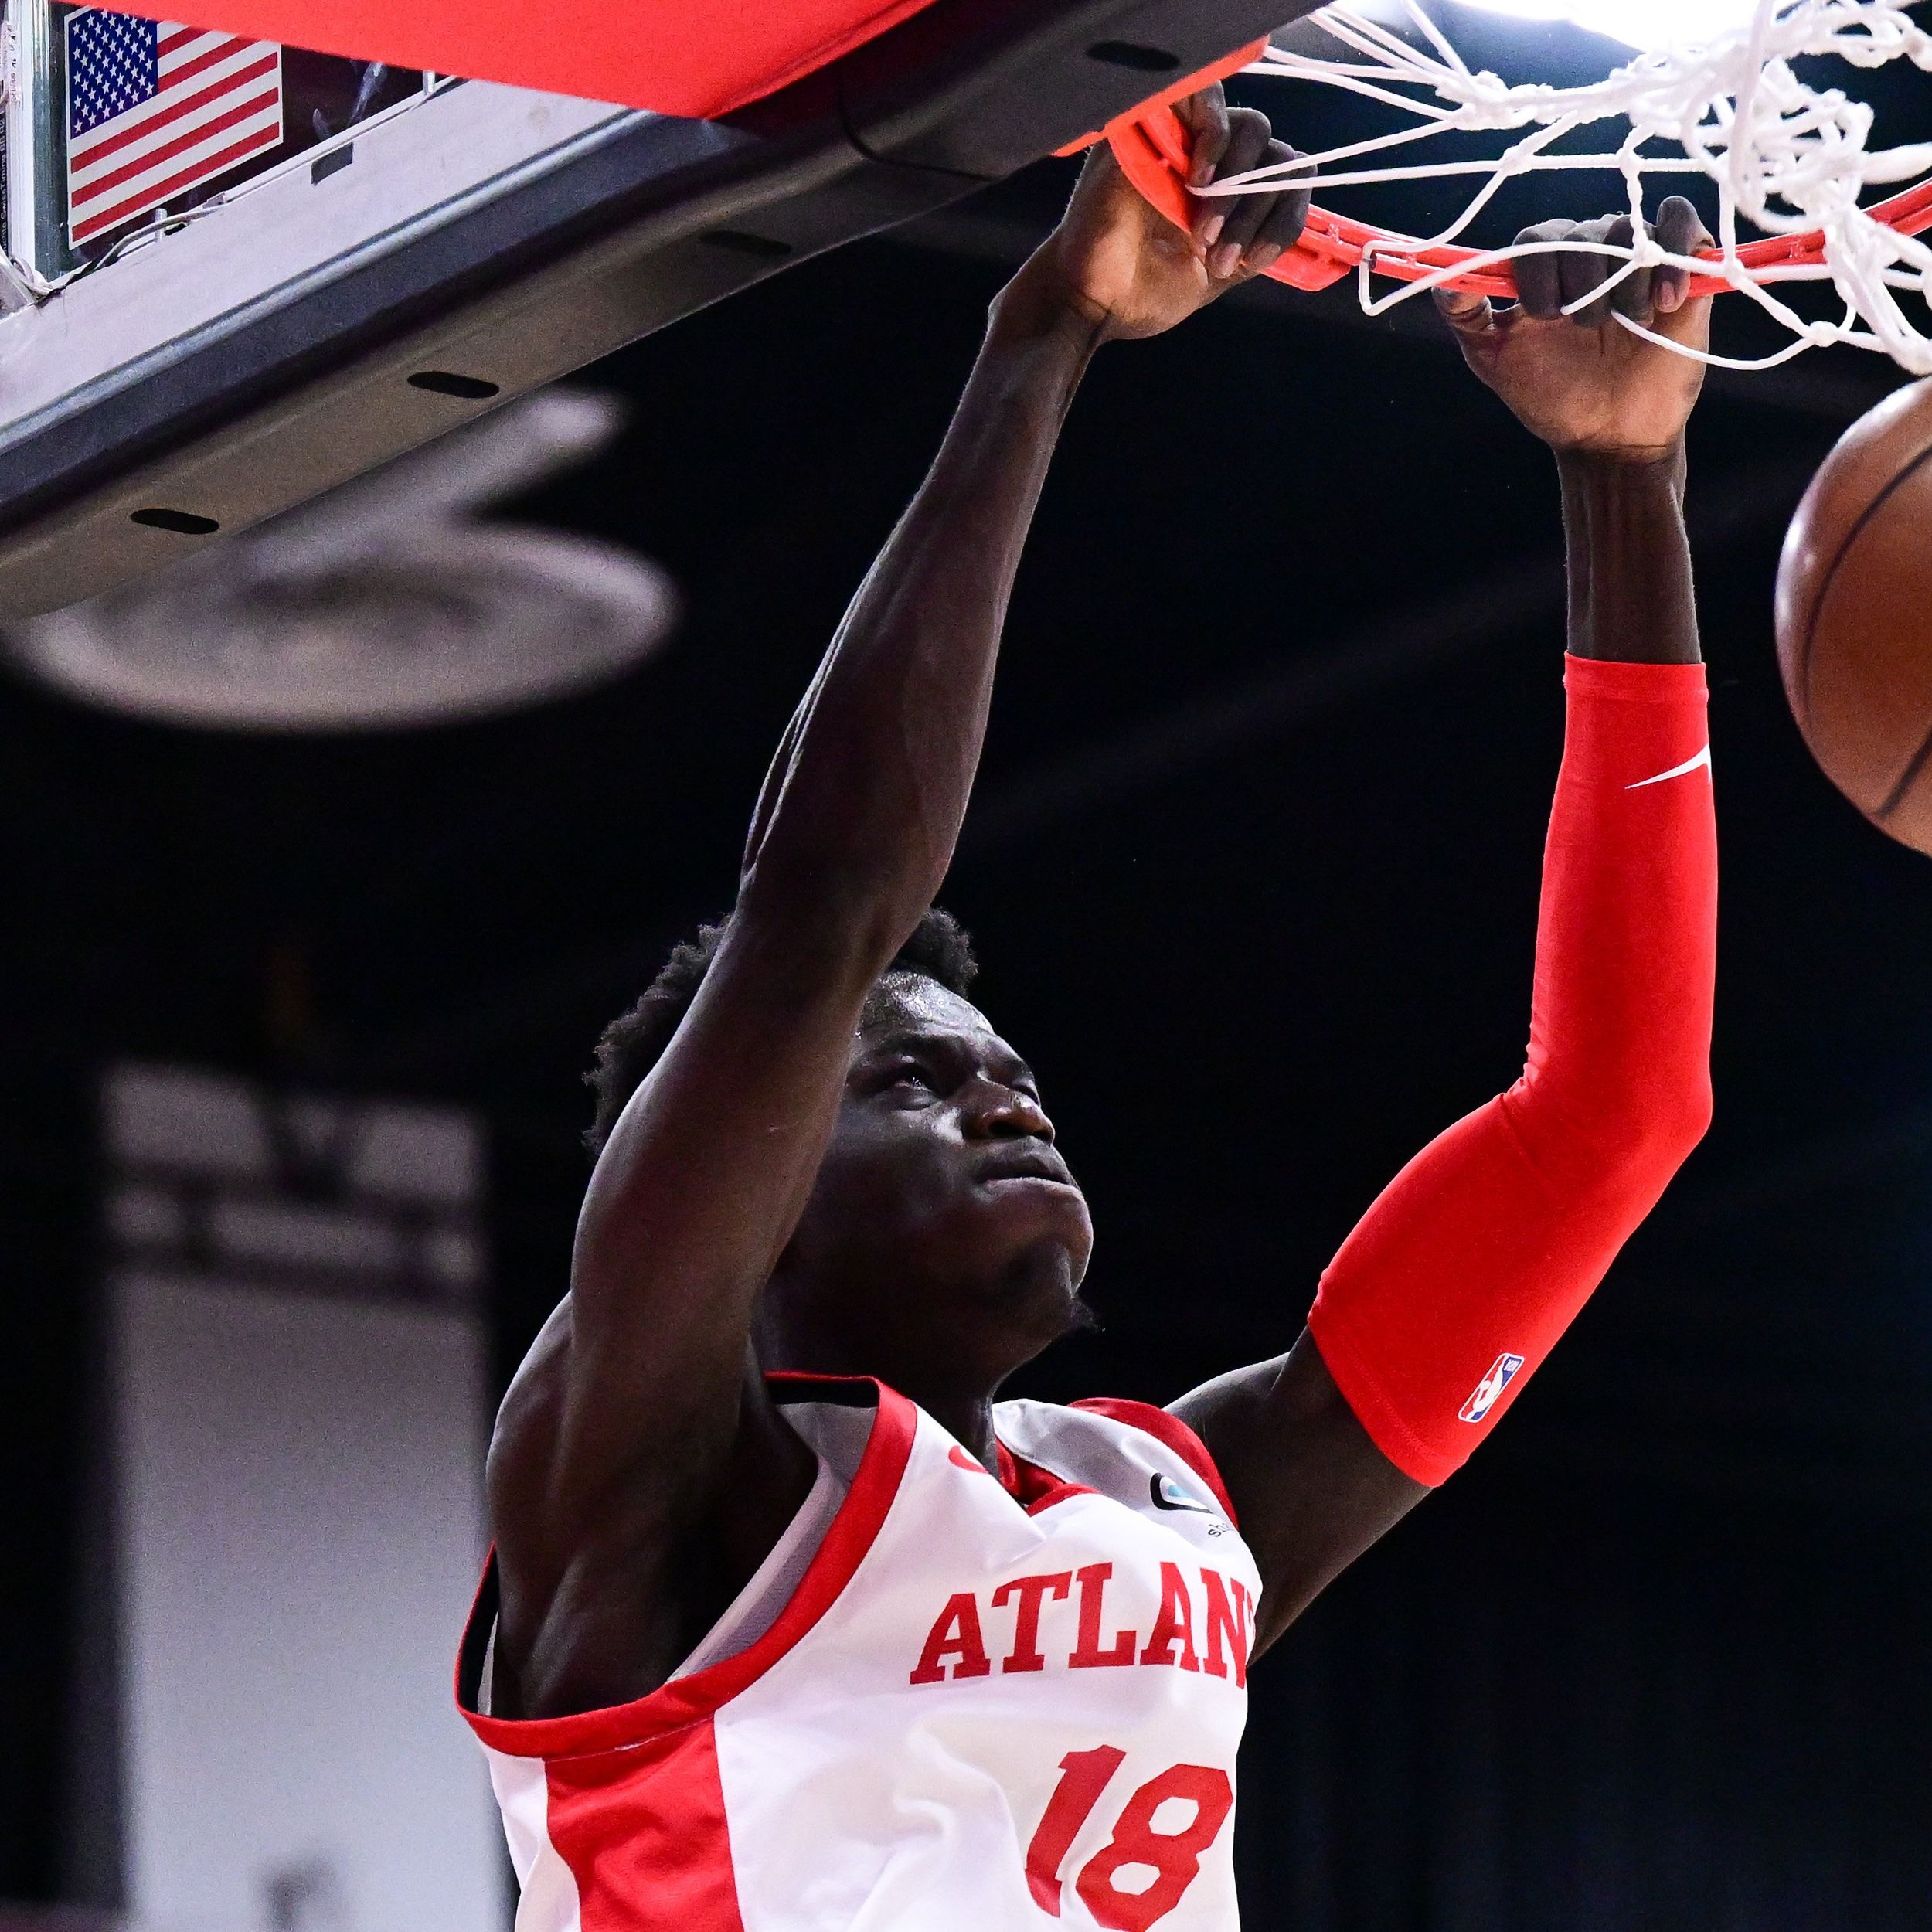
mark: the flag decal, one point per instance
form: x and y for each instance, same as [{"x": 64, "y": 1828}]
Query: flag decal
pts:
[{"x": 154, "y": 109}]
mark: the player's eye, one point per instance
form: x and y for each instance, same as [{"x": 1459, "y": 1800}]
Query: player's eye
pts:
[{"x": 908, "y": 1073}]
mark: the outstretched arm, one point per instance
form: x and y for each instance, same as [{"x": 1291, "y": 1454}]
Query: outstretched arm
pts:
[
  {"x": 1470, "y": 1265},
  {"x": 638, "y": 1420}
]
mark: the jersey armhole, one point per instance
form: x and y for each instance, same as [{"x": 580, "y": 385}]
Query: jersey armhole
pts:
[
  {"x": 1172, "y": 1432},
  {"x": 684, "y": 1701}
]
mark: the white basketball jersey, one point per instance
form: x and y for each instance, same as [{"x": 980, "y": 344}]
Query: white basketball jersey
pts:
[{"x": 949, "y": 1702}]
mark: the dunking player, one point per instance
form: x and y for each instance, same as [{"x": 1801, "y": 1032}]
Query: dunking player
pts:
[{"x": 792, "y": 1625}]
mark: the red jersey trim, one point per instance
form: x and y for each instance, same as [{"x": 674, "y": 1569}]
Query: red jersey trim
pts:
[
  {"x": 690, "y": 1700},
  {"x": 1032, "y": 1486},
  {"x": 1168, "y": 1430}
]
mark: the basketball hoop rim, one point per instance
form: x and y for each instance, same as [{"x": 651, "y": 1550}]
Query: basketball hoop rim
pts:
[{"x": 1153, "y": 148}]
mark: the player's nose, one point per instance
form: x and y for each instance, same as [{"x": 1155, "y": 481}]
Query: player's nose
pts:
[{"x": 994, "y": 1112}]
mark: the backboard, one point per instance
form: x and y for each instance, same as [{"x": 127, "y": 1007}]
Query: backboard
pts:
[{"x": 358, "y": 260}]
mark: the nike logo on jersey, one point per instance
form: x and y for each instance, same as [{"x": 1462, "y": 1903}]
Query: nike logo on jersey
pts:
[
  {"x": 1168, "y": 1494},
  {"x": 1701, "y": 763}
]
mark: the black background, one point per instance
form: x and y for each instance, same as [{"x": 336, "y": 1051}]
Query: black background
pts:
[{"x": 1253, "y": 870}]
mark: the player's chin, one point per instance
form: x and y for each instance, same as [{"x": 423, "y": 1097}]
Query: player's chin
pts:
[
  {"x": 1044, "y": 1225},
  {"x": 1033, "y": 1291}
]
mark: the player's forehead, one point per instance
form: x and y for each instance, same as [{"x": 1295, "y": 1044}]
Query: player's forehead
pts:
[{"x": 908, "y": 1009}]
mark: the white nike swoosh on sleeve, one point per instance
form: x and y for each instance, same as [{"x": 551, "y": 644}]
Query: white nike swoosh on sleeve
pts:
[{"x": 1701, "y": 762}]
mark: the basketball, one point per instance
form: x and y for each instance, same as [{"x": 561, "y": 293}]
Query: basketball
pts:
[{"x": 1854, "y": 616}]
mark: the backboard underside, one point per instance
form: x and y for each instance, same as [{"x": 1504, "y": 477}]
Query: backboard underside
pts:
[{"x": 466, "y": 244}]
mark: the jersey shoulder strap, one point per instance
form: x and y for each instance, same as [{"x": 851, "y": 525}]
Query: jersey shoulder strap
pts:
[{"x": 1137, "y": 1454}]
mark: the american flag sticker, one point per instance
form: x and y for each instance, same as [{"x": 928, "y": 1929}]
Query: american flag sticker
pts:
[{"x": 154, "y": 109}]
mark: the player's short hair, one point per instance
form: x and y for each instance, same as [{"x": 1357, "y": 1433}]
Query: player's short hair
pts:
[{"x": 632, "y": 1043}]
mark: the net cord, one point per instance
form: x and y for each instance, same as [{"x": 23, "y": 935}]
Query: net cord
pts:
[{"x": 1790, "y": 159}]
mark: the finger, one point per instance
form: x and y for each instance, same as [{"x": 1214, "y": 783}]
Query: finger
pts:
[
  {"x": 1285, "y": 217},
  {"x": 1205, "y": 115},
  {"x": 1241, "y": 215},
  {"x": 1633, "y": 295},
  {"x": 1680, "y": 231},
  {"x": 1689, "y": 325},
  {"x": 1265, "y": 226},
  {"x": 1581, "y": 272},
  {"x": 1470, "y": 315},
  {"x": 1539, "y": 278}
]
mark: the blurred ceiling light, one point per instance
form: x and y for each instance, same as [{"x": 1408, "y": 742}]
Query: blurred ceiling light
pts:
[
  {"x": 1637, "y": 23},
  {"x": 386, "y": 603}
]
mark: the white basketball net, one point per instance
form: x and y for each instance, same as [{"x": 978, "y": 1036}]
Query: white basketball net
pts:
[{"x": 1787, "y": 158}]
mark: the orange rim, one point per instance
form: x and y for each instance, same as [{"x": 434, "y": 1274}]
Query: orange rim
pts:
[{"x": 1153, "y": 147}]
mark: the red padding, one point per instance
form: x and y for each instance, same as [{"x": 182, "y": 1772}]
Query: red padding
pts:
[
  {"x": 1176, "y": 90},
  {"x": 697, "y": 59},
  {"x": 1457, "y": 1282}
]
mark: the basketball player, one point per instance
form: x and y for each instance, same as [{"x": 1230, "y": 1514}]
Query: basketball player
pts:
[{"x": 791, "y": 1624}]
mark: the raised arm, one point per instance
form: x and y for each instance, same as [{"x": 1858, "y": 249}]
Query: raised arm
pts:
[
  {"x": 1470, "y": 1265},
  {"x": 639, "y": 1421}
]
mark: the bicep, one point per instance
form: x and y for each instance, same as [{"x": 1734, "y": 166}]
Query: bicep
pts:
[{"x": 1310, "y": 1489}]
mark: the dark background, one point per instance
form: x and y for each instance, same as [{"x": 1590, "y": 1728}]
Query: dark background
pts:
[{"x": 1253, "y": 869}]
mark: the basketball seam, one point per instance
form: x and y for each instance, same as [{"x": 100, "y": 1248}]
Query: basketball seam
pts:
[
  {"x": 1896, "y": 797},
  {"x": 1824, "y": 591}
]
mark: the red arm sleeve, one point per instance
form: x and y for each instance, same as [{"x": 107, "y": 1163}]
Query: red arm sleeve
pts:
[{"x": 1459, "y": 1279}]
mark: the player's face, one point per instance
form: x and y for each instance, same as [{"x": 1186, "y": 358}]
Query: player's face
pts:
[{"x": 944, "y": 1228}]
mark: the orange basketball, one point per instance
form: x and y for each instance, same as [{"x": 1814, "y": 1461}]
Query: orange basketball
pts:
[{"x": 1854, "y": 615}]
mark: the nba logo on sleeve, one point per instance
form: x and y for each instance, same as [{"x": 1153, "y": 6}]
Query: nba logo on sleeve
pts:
[{"x": 1503, "y": 1371}]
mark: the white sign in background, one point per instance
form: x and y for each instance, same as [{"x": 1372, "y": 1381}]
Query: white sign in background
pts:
[{"x": 298, "y": 1373}]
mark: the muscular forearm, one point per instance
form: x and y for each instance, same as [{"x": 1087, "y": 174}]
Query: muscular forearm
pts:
[
  {"x": 850, "y": 845},
  {"x": 1629, "y": 558},
  {"x": 865, "y": 797},
  {"x": 1460, "y": 1278},
  {"x": 700, "y": 1184}
]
